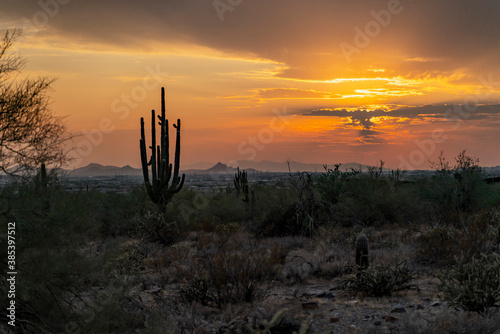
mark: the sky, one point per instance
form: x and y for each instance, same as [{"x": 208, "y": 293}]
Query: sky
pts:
[{"x": 323, "y": 81}]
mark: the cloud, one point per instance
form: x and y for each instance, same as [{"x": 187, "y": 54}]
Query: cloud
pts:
[
  {"x": 370, "y": 137},
  {"x": 443, "y": 111},
  {"x": 426, "y": 37},
  {"x": 368, "y": 133},
  {"x": 287, "y": 93}
]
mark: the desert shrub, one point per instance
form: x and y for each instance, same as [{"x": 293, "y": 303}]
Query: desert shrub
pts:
[
  {"x": 367, "y": 199},
  {"x": 117, "y": 211},
  {"x": 228, "y": 270},
  {"x": 455, "y": 192},
  {"x": 443, "y": 244},
  {"x": 473, "y": 284},
  {"x": 154, "y": 226},
  {"x": 334, "y": 183},
  {"x": 455, "y": 323},
  {"x": 54, "y": 233},
  {"x": 203, "y": 210},
  {"x": 379, "y": 281},
  {"x": 298, "y": 219},
  {"x": 296, "y": 209}
]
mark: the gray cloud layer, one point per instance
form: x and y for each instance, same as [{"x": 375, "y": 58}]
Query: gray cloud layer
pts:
[
  {"x": 450, "y": 112},
  {"x": 305, "y": 35}
]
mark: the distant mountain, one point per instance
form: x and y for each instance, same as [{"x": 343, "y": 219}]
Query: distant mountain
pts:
[
  {"x": 94, "y": 169},
  {"x": 198, "y": 165},
  {"x": 100, "y": 170},
  {"x": 218, "y": 168},
  {"x": 269, "y": 166},
  {"x": 282, "y": 167}
]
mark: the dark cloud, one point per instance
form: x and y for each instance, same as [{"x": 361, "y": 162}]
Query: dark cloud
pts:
[
  {"x": 370, "y": 137},
  {"x": 362, "y": 117},
  {"x": 435, "y": 36},
  {"x": 437, "y": 113}
]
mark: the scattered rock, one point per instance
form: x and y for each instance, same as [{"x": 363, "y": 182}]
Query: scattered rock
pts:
[
  {"x": 389, "y": 318},
  {"x": 367, "y": 318},
  {"x": 314, "y": 293},
  {"x": 310, "y": 305},
  {"x": 398, "y": 309},
  {"x": 153, "y": 290},
  {"x": 353, "y": 329},
  {"x": 329, "y": 295}
]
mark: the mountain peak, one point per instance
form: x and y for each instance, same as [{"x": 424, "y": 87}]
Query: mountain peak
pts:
[
  {"x": 221, "y": 168},
  {"x": 94, "y": 169}
]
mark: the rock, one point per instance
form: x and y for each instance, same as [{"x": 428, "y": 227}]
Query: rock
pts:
[
  {"x": 329, "y": 295},
  {"x": 389, "y": 318},
  {"x": 353, "y": 329},
  {"x": 367, "y": 318},
  {"x": 153, "y": 290},
  {"x": 436, "y": 303},
  {"x": 398, "y": 309},
  {"x": 314, "y": 293},
  {"x": 310, "y": 305},
  {"x": 377, "y": 323},
  {"x": 334, "y": 319}
]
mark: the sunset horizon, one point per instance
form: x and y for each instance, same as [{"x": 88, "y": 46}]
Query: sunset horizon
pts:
[{"x": 325, "y": 83}]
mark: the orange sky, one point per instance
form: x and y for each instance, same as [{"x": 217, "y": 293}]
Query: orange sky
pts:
[{"x": 325, "y": 81}]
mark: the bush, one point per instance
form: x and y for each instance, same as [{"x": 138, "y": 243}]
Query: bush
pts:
[
  {"x": 473, "y": 285},
  {"x": 443, "y": 244},
  {"x": 227, "y": 270},
  {"x": 367, "y": 199},
  {"x": 454, "y": 193},
  {"x": 379, "y": 281}
]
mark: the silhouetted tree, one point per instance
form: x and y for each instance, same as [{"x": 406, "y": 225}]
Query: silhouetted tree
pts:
[{"x": 30, "y": 135}]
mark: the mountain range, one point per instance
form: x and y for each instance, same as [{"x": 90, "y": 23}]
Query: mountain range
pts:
[{"x": 95, "y": 169}]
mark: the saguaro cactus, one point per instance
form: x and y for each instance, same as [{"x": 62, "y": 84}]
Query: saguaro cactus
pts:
[
  {"x": 160, "y": 190},
  {"x": 241, "y": 183},
  {"x": 362, "y": 259}
]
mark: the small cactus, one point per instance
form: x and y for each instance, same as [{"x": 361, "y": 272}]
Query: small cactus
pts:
[{"x": 362, "y": 258}]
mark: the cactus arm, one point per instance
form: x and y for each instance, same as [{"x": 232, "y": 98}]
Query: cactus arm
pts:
[
  {"x": 181, "y": 184},
  {"x": 164, "y": 128},
  {"x": 144, "y": 159},
  {"x": 153, "y": 146},
  {"x": 159, "y": 163},
  {"x": 177, "y": 150}
]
